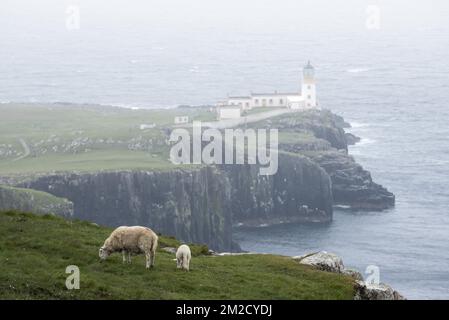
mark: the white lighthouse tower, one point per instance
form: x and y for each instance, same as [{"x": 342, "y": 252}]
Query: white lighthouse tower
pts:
[{"x": 308, "y": 89}]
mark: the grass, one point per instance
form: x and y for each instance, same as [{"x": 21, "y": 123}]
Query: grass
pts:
[
  {"x": 56, "y": 135},
  {"x": 96, "y": 160},
  {"x": 262, "y": 109},
  {"x": 291, "y": 137},
  {"x": 35, "y": 251}
]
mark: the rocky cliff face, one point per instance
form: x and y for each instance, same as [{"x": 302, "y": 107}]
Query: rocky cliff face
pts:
[
  {"x": 198, "y": 205},
  {"x": 192, "y": 205},
  {"x": 299, "y": 192},
  {"x": 352, "y": 185}
]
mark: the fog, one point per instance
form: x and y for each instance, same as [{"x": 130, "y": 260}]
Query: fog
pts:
[{"x": 19, "y": 17}]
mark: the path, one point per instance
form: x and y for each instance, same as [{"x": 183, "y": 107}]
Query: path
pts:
[
  {"x": 26, "y": 148},
  {"x": 229, "y": 123}
]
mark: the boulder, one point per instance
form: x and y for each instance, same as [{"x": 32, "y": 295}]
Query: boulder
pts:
[
  {"x": 323, "y": 261},
  {"x": 169, "y": 250},
  {"x": 351, "y": 139},
  {"x": 363, "y": 291},
  {"x": 368, "y": 291}
]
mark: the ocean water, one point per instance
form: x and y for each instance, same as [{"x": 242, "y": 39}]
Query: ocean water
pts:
[{"x": 392, "y": 84}]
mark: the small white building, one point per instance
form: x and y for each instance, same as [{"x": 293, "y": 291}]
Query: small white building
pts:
[
  {"x": 181, "y": 119},
  {"x": 305, "y": 98},
  {"x": 144, "y": 126},
  {"x": 229, "y": 112}
]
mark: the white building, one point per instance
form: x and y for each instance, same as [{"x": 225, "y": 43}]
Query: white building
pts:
[
  {"x": 229, "y": 112},
  {"x": 181, "y": 119},
  {"x": 145, "y": 126},
  {"x": 304, "y": 99}
]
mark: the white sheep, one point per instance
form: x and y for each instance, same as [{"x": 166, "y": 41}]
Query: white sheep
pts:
[
  {"x": 183, "y": 257},
  {"x": 131, "y": 240}
]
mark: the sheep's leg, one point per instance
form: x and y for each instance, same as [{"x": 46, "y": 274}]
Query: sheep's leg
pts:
[
  {"x": 123, "y": 254},
  {"x": 148, "y": 258},
  {"x": 129, "y": 257},
  {"x": 152, "y": 256},
  {"x": 185, "y": 264}
]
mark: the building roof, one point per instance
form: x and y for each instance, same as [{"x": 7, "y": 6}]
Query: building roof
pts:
[
  {"x": 239, "y": 97},
  {"x": 274, "y": 94}
]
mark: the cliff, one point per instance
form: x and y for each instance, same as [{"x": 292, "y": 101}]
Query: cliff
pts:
[
  {"x": 34, "y": 201},
  {"x": 198, "y": 205},
  {"x": 299, "y": 192},
  {"x": 353, "y": 186},
  {"x": 190, "y": 204},
  {"x": 320, "y": 136}
]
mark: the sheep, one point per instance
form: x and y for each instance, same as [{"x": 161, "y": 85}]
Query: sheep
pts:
[
  {"x": 131, "y": 240},
  {"x": 183, "y": 257}
]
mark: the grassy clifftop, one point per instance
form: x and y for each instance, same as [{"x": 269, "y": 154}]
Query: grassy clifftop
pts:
[
  {"x": 35, "y": 251},
  {"x": 33, "y": 200}
]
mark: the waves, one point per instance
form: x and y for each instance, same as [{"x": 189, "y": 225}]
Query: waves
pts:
[
  {"x": 358, "y": 70},
  {"x": 364, "y": 141}
]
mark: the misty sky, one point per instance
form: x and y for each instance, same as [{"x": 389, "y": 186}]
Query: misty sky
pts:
[{"x": 171, "y": 16}]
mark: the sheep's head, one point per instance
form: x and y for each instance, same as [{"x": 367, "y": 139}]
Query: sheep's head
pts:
[{"x": 103, "y": 253}]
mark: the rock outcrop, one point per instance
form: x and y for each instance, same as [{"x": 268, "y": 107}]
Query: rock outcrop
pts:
[
  {"x": 351, "y": 139},
  {"x": 330, "y": 262},
  {"x": 366, "y": 291},
  {"x": 328, "y": 147},
  {"x": 322, "y": 260},
  {"x": 351, "y": 184}
]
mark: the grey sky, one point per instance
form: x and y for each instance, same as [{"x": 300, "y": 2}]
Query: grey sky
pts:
[{"x": 42, "y": 16}]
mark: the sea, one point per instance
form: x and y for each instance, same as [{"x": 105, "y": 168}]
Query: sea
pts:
[{"x": 391, "y": 82}]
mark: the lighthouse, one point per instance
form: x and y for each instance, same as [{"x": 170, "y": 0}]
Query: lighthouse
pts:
[
  {"x": 308, "y": 90},
  {"x": 234, "y": 106}
]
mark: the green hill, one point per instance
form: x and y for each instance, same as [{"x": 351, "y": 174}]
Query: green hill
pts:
[{"x": 35, "y": 251}]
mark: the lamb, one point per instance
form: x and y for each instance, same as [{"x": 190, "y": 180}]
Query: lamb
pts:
[
  {"x": 131, "y": 240},
  {"x": 183, "y": 257}
]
